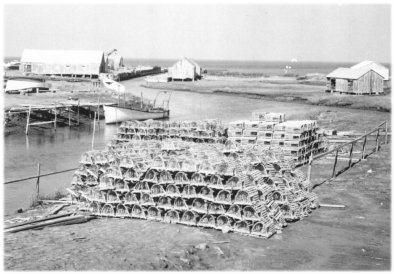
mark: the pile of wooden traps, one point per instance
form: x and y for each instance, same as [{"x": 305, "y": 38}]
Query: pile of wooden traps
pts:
[
  {"x": 209, "y": 131},
  {"x": 244, "y": 189},
  {"x": 298, "y": 139}
]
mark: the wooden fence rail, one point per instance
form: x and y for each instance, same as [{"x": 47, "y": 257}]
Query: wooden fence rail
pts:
[{"x": 350, "y": 158}]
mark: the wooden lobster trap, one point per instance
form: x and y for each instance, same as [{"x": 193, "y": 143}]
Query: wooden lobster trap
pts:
[
  {"x": 189, "y": 192},
  {"x": 146, "y": 200},
  {"x": 138, "y": 212},
  {"x": 172, "y": 191},
  {"x": 189, "y": 218},
  {"x": 224, "y": 223},
  {"x": 233, "y": 183},
  {"x": 107, "y": 210},
  {"x": 87, "y": 158},
  {"x": 132, "y": 176},
  {"x": 206, "y": 193},
  {"x": 165, "y": 178},
  {"x": 141, "y": 187},
  {"x": 208, "y": 221},
  {"x": 250, "y": 214},
  {"x": 200, "y": 206},
  {"x": 165, "y": 203},
  {"x": 122, "y": 211},
  {"x": 197, "y": 179},
  {"x": 121, "y": 186},
  {"x": 180, "y": 204},
  {"x": 106, "y": 183},
  {"x": 100, "y": 158},
  {"x": 157, "y": 190},
  {"x": 235, "y": 212},
  {"x": 94, "y": 208},
  {"x": 181, "y": 179},
  {"x": 224, "y": 197},
  {"x": 112, "y": 197},
  {"x": 126, "y": 161},
  {"x": 82, "y": 171},
  {"x": 172, "y": 217},
  {"x": 216, "y": 182},
  {"x": 151, "y": 176},
  {"x": 264, "y": 229},
  {"x": 216, "y": 209},
  {"x": 242, "y": 227},
  {"x": 130, "y": 199},
  {"x": 77, "y": 180},
  {"x": 155, "y": 214}
]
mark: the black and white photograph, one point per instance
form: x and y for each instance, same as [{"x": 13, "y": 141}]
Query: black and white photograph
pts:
[{"x": 201, "y": 136}]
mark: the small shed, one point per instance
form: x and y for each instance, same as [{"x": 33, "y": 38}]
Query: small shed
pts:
[
  {"x": 77, "y": 63},
  {"x": 363, "y": 80},
  {"x": 185, "y": 69}
]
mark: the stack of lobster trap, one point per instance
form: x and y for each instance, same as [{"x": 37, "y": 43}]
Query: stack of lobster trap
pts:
[
  {"x": 298, "y": 139},
  {"x": 209, "y": 131},
  {"x": 247, "y": 189}
]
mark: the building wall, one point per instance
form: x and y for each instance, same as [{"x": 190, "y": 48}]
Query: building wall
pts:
[
  {"x": 183, "y": 70},
  {"x": 371, "y": 82},
  {"x": 58, "y": 69},
  {"x": 341, "y": 85}
]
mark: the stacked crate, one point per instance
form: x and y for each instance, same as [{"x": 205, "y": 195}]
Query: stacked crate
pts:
[{"x": 196, "y": 184}]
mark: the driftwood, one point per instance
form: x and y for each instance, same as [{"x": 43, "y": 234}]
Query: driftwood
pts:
[
  {"x": 56, "y": 209},
  {"x": 333, "y": 206},
  {"x": 40, "y": 220},
  {"x": 60, "y": 221}
]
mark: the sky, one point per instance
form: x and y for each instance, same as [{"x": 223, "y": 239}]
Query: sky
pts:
[{"x": 330, "y": 33}]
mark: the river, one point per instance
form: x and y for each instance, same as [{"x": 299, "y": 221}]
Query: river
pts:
[{"x": 62, "y": 149}]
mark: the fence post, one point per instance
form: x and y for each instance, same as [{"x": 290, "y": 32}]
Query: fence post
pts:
[
  {"x": 28, "y": 120},
  {"x": 350, "y": 155},
  {"x": 310, "y": 167},
  {"x": 386, "y": 137},
  {"x": 38, "y": 181},
  {"x": 335, "y": 164},
  {"x": 363, "y": 153},
  {"x": 377, "y": 141}
]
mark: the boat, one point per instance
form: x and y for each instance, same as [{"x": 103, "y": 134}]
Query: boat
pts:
[
  {"x": 113, "y": 85},
  {"x": 137, "y": 109},
  {"x": 17, "y": 84}
]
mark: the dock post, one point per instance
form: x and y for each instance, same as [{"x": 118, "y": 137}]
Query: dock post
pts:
[
  {"x": 28, "y": 121},
  {"x": 38, "y": 181},
  {"x": 55, "y": 118},
  {"x": 310, "y": 167}
]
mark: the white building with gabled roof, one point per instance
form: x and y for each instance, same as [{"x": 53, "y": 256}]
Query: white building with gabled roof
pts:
[{"x": 79, "y": 63}]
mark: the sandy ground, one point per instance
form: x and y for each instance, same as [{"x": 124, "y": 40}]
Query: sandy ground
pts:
[{"x": 354, "y": 238}]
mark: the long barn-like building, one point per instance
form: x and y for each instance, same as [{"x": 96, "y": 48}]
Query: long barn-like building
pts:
[
  {"x": 72, "y": 63},
  {"x": 364, "y": 78},
  {"x": 185, "y": 69}
]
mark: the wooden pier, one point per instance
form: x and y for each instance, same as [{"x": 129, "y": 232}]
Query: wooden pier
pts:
[{"x": 55, "y": 109}]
